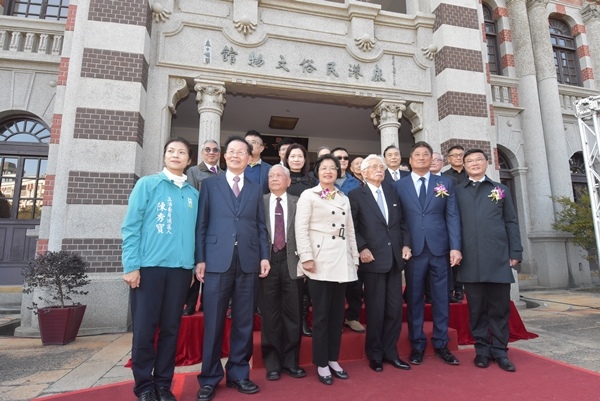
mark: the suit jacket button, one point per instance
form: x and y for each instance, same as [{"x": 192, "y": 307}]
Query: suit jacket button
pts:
[
  {"x": 343, "y": 213},
  {"x": 332, "y": 212},
  {"x": 389, "y": 243},
  {"x": 333, "y": 237},
  {"x": 318, "y": 246},
  {"x": 333, "y": 225}
]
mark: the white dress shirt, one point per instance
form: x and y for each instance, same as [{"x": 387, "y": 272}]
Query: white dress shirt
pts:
[{"x": 417, "y": 181}]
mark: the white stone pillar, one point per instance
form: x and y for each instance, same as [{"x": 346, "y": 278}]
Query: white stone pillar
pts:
[
  {"x": 386, "y": 116},
  {"x": 211, "y": 101},
  {"x": 552, "y": 121},
  {"x": 591, "y": 18}
]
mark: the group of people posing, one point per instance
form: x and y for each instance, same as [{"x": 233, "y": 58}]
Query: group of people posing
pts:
[{"x": 277, "y": 239}]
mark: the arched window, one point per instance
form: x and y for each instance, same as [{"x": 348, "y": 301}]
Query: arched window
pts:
[
  {"x": 565, "y": 53},
  {"x": 492, "y": 40},
  {"x": 39, "y": 9}
]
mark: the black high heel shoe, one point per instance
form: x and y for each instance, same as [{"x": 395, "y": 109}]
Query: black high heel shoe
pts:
[{"x": 325, "y": 379}]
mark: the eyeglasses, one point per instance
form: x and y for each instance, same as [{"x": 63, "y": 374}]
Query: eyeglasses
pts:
[
  {"x": 437, "y": 160},
  {"x": 342, "y": 157},
  {"x": 211, "y": 150},
  {"x": 456, "y": 155},
  {"x": 237, "y": 153},
  {"x": 253, "y": 142},
  {"x": 327, "y": 168}
]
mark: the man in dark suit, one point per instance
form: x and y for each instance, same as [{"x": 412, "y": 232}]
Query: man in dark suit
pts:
[
  {"x": 384, "y": 243},
  {"x": 231, "y": 255},
  {"x": 210, "y": 152},
  {"x": 491, "y": 247},
  {"x": 430, "y": 209},
  {"x": 280, "y": 293},
  {"x": 257, "y": 170},
  {"x": 393, "y": 159}
]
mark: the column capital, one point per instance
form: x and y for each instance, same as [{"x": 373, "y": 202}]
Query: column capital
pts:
[
  {"x": 536, "y": 3},
  {"x": 591, "y": 12},
  {"x": 210, "y": 95},
  {"x": 178, "y": 89},
  {"x": 388, "y": 112}
]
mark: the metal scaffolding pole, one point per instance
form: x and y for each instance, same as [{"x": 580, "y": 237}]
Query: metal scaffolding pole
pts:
[{"x": 588, "y": 115}]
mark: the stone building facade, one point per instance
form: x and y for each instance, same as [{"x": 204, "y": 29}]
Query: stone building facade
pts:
[{"x": 93, "y": 89}]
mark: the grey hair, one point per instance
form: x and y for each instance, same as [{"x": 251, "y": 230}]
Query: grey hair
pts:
[
  {"x": 211, "y": 141},
  {"x": 284, "y": 168},
  {"x": 367, "y": 161}
]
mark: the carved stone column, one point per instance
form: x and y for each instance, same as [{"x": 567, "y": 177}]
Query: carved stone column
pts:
[
  {"x": 211, "y": 101},
  {"x": 552, "y": 120},
  {"x": 386, "y": 116},
  {"x": 591, "y": 18},
  {"x": 538, "y": 211}
]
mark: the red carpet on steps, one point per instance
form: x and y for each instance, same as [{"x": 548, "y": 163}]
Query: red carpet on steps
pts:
[{"x": 536, "y": 379}]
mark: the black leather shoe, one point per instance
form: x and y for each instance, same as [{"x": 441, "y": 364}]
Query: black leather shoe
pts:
[
  {"x": 482, "y": 361},
  {"x": 398, "y": 363},
  {"x": 206, "y": 393},
  {"x": 165, "y": 394},
  {"x": 244, "y": 386},
  {"x": 459, "y": 295},
  {"x": 505, "y": 364},
  {"x": 416, "y": 357},
  {"x": 325, "y": 379},
  {"x": 296, "y": 372},
  {"x": 376, "y": 365},
  {"x": 273, "y": 375},
  {"x": 446, "y": 356},
  {"x": 340, "y": 374},
  {"x": 454, "y": 300},
  {"x": 149, "y": 395}
]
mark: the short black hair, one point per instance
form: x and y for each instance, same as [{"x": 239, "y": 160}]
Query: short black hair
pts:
[
  {"x": 471, "y": 151},
  {"x": 339, "y": 148},
  {"x": 455, "y": 147},
  {"x": 421, "y": 144},
  {"x": 234, "y": 138},
  {"x": 293, "y": 146},
  {"x": 390, "y": 147},
  {"x": 328, "y": 156},
  {"x": 187, "y": 144},
  {"x": 255, "y": 133},
  {"x": 283, "y": 142}
]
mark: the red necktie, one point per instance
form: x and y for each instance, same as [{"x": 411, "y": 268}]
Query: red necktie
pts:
[{"x": 279, "y": 236}]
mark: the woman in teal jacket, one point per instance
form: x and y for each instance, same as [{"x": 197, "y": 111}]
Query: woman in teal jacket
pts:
[{"x": 158, "y": 261}]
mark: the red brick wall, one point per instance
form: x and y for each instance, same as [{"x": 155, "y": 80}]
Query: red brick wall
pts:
[
  {"x": 130, "y": 12},
  {"x": 458, "y": 59},
  {"x": 462, "y": 104},
  {"x": 587, "y": 74},
  {"x": 48, "y": 190},
  {"x": 447, "y": 14},
  {"x": 42, "y": 246},
  {"x": 55, "y": 129},
  {"x": 63, "y": 71},
  {"x": 93, "y": 188},
  {"x": 115, "y": 65},
  {"x": 70, "y": 24},
  {"x": 467, "y": 144},
  {"x": 111, "y": 125},
  {"x": 103, "y": 254}
]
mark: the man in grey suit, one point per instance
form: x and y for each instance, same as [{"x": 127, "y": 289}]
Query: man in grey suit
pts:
[
  {"x": 491, "y": 247},
  {"x": 209, "y": 166},
  {"x": 280, "y": 293}
]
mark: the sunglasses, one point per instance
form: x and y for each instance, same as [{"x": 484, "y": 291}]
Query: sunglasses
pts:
[
  {"x": 343, "y": 157},
  {"x": 212, "y": 150}
]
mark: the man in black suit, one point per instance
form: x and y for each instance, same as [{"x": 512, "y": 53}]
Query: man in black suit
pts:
[
  {"x": 231, "y": 255},
  {"x": 384, "y": 243},
  {"x": 491, "y": 247},
  {"x": 280, "y": 293},
  {"x": 257, "y": 170},
  {"x": 393, "y": 159}
]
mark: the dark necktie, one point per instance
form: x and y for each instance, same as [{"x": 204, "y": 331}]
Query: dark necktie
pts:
[
  {"x": 422, "y": 192},
  {"x": 236, "y": 187},
  {"x": 279, "y": 235},
  {"x": 213, "y": 169}
]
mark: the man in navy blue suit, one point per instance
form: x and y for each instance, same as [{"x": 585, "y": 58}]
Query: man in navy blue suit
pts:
[
  {"x": 231, "y": 255},
  {"x": 431, "y": 212}
]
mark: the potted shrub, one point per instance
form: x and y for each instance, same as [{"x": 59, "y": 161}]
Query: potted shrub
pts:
[{"x": 58, "y": 276}]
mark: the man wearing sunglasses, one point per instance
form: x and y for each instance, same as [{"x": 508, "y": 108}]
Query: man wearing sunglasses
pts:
[{"x": 210, "y": 152}]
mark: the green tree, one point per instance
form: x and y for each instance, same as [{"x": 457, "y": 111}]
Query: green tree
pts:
[{"x": 576, "y": 218}]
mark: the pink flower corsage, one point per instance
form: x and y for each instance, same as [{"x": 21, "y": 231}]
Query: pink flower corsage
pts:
[
  {"x": 327, "y": 194},
  {"x": 496, "y": 194},
  {"x": 440, "y": 190}
]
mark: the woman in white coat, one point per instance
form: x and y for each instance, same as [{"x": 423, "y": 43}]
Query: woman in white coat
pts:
[{"x": 329, "y": 258}]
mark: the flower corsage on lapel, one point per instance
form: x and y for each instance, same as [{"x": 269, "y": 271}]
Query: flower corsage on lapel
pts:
[
  {"x": 496, "y": 194},
  {"x": 327, "y": 194},
  {"x": 440, "y": 190}
]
